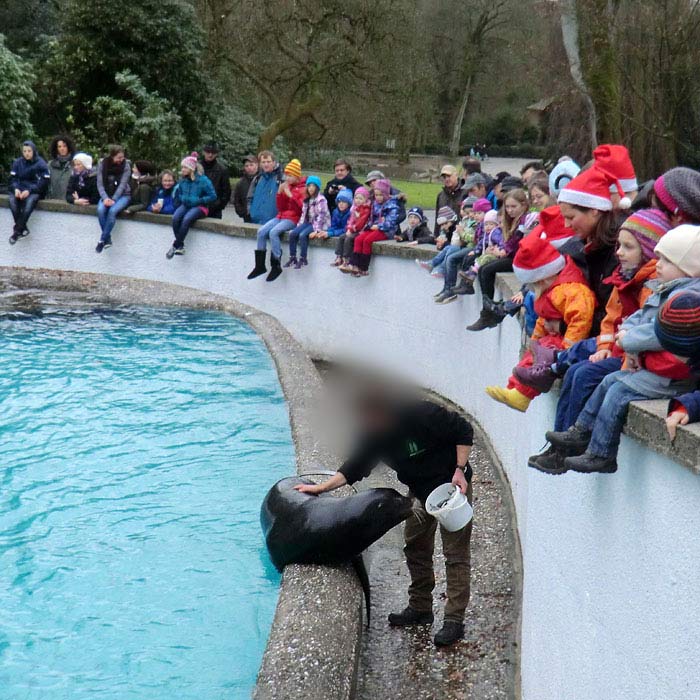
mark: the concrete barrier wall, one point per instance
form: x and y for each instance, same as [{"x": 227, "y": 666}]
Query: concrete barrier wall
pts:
[{"x": 610, "y": 561}]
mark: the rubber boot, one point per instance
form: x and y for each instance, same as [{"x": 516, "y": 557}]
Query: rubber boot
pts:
[
  {"x": 259, "y": 268},
  {"x": 275, "y": 268}
]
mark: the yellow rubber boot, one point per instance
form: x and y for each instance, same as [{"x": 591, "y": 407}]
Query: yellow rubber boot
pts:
[{"x": 510, "y": 397}]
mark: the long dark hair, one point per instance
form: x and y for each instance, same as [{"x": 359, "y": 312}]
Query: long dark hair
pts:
[
  {"x": 606, "y": 230},
  {"x": 53, "y": 148}
]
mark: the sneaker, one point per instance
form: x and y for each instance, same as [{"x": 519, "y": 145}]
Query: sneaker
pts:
[
  {"x": 464, "y": 286},
  {"x": 99, "y": 247},
  {"x": 551, "y": 461},
  {"x": 438, "y": 274},
  {"x": 540, "y": 377},
  {"x": 439, "y": 294},
  {"x": 409, "y": 617},
  {"x": 424, "y": 265},
  {"x": 446, "y": 298},
  {"x": 25, "y": 233},
  {"x": 13, "y": 238},
  {"x": 180, "y": 251},
  {"x": 291, "y": 262},
  {"x": 450, "y": 633},
  {"x": 588, "y": 463},
  {"x": 171, "y": 253},
  {"x": 107, "y": 244},
  {"x": 574, "y": 440}
]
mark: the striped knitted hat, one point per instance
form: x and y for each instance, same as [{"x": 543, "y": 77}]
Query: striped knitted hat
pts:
[
  {"x": 293, "y": 168},
  {"x": 679, "y": 191},
  {"x": 647, "y": 226},
  {"x": 677, "y": 325},
  {"x": 445, "y": 215}
]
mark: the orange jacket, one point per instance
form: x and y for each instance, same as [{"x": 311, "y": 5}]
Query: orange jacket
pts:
[{"x": 626, "y": 298}]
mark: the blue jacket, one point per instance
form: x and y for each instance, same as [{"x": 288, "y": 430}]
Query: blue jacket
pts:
[
  {"x": 262, "y": 196},
  {"x": 32, "y": 175},
  {"x": 339, "y": 220},
  {"x": 691, "y": 403},
  {"x": 387, "y": 216},
  {"x": 194, "y": 193},
  {"x": 168, "y": 200}
]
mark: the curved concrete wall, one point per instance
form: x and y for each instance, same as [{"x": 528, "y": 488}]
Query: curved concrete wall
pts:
[{"x": 610, "y": 561}]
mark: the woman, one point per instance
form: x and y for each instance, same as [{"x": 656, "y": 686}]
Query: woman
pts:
[
  {"x": 192, "y": 195},
  {"x": 61, "y": 151},
  {"x": 538, "y": 190},
  {"x": 162, "y": 201},
  {"x": 29, "y": 181},
  {"x": 82, "y": 186},
  {"x": 113, "y": 174},
  {"x": 142, "y": 183}
]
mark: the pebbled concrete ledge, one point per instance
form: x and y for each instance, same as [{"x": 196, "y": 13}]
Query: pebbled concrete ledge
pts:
[{"x": 313, "y": 648}]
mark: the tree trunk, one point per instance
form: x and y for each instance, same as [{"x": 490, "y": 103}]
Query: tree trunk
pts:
[
  {"x": 293, "y": 115},
  {"x": 569, "y": 33},
  {"x": 459, "y": 119}
]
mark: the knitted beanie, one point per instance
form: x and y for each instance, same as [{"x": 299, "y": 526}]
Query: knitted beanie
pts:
[
  {"x": 615, "y": 159},
  {"x": 492, "y": 217},
  {"x": 562, "y": 174},
  {"x": 191, "y": 161},
  {"x": 679, "y": 191},
  {"x": 373, "y": 175},
  {"x": 591, "y": 189},
  {"x": 313, "y": 180},
  {"x": 445, "y": 215},
  {"x": 553, "y": 226},
  {"x": 416, "y": 211},
  {"x": 363, "y": 192},
  {"x": 681, "y": 246},
  {"x": 647, "y": 226},
  {"x": 677, "y": 325},
  {"x": 84, "y": 159},
  {"x": 537, "y": 259},
  {"x": 293, "y": 168},
  {"x": 482, "y": 205},
  {"x": 384, "y": 186},
  {"x": 469, "y": 202},
  {"x": 343, "y": 196}
]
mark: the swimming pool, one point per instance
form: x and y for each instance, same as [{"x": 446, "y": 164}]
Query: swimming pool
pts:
[{"x": 137, "y": 445}]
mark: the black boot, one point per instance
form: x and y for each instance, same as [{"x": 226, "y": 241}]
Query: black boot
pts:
[
  {"x": 410, "y": 617},
  {"x": 259, "y": 268},
  {"x": 450, "y": 633},
  {"x": 487, "y": 319},
  {"x": 551, "y": 461},
  {"x": 275, "y": 268}
]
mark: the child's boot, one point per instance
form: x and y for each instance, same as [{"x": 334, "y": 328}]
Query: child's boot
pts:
[
  {"x": 298, "y": 264},
  {"x": 259, "y": 268},
  {"x": 539, "y": 377},
  {"x": 510, "y": 397},
  {"x": 291, "y": 262}
]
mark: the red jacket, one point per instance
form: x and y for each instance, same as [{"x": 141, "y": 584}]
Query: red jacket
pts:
[{"x": 290, "y": 207}]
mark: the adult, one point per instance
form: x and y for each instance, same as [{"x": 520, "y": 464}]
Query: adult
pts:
[
  {"x": 677, "y": 193},
  {"x": 82, "y": 186},
  {"x": 113, "y": 175},
  {"x": 470, "y": 165},
  {"x": 29, "y": 182},
  {"x": 374, "y": 175},
  {"x": 476, "y": 185},
  {"x": 61, "y": 152},
  {"x": 529, "y": 169},
  {"x": 426, "y": 445},
  {"x": 142, "y": 183},
  {"x": 262, "y": 195},
  {"x": 451, "y": 193},
  {"x": 343, "y": 180},
  {"x": 218, "y": 175},
  {"x": 540, "y": 197},
  {"x": 615, "y": 159},
  {"x": 163, "y": 199},
  {"x": 240, "y": 191},
  {"x": 562, "y": 174}
]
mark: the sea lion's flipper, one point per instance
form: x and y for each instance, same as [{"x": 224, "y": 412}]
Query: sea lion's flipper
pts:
[{"x": 358, "y": 564}]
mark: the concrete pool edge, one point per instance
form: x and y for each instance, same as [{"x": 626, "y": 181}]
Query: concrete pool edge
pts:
[{"x": 313, "y": 645}]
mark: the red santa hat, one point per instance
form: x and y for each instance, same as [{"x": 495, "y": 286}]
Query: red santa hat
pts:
[
  {"x": 615, "y": 159},
  {"x": 553, "y": 226},
  {"x": 591, "y": 190},
  {"x": 537, "y": 259}
]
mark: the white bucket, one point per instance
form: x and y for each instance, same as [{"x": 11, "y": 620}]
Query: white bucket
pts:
[{"x": 450, "y": 507}]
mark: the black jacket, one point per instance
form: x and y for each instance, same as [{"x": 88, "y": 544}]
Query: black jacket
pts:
[
  {"x": 331, "y": 190},
  {"x": 421, "y": 234},
  {"x": 420, "y": 448},
  {"x": 218, "y": 174},
  {"x": 87, "y": 191},
  {"x": 452, "y": 199},
  {"x": 240, "y": 197}
]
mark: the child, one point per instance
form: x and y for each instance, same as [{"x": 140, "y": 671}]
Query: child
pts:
[
  {"x": 314, "y": 218},
  {"x": 358, "y": 219},
  {"x": 82, "y": 186},
  {"x": 447, "y": 223},
  {"x": 162, "y": 201},
  {"x": 113, "y": 175},
  {"x": 289, "y": 203},
  {"x": 191, "y": 196},
  {"x": 387, "y": 215},
  {"x": 339, "y": 220},
  {"x": 487, "y": 245},
  {"x": 29, "y": 182},
  {"x": 417, "y": 231},
  {"x": 562, "y": 297},
  {"x": 593, "y": 440}
]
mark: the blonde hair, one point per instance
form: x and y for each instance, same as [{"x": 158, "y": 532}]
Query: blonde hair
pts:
[{"x": 510, "y": 226}]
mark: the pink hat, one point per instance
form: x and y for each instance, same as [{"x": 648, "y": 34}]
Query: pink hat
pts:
[
  {"x": 537, "y": 259},
  {"x": 482, "y": 204},
  {"x": 384, "y": 186},
  {"x": 363, "y": 192},
  {"x": 191, "y": 161},
  {"x": 615, "y": 159},
  {"x": 591, "y": 190},
  {"x": 491, "y": 217}
]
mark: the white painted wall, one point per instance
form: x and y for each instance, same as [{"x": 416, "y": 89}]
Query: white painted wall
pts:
[{"x": 610, "y": 606}]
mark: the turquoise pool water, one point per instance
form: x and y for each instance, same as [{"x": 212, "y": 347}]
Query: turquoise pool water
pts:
[{"x": 137, "y": 445}]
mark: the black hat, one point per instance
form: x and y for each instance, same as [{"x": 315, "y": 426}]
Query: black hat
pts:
[
  {"x": 211, "y": 147},
  {"x": 500, "y": 177},
  {"x": 511, "y": 183}
]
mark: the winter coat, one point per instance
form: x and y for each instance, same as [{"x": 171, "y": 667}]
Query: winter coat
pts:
[
  {"x": 289, "y": 208},
  {"x": 30, "y": 175},
  {"x": 60, "y": 171},
  {"x": 690, "y": 402},
  {"x": 569, "y": 300},
  {"x": 262, "y": 196},
  {"x": 114, "y": 189},
  {"x": 339, "y": 222},
  {"x": 219, "y": 177},
  {"x": 513, "y": 243},
  {"x": 141, "y": 192},
  {"x": 240, "y": 196},
  {"x": 387, "y": 217},
  {"x": 315, "y": 212},
  {"x": 85, "y": 186},
  {"x": 194, "y": 193},
  {"x": 359, "y": 218},
  {"x": 331, "y": 189},
  {"x": 452, "y": 199},
  {"x": 168, "y": 200},
  {"x": 420, "y": 234},
  {"x": 483, "y": 241}
]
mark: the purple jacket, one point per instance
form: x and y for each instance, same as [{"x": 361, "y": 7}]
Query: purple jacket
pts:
[
  {"x": 315, "y": 212},
  {"x": 485, "y": 240}
]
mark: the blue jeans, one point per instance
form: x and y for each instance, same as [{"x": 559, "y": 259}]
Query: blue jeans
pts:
[
  {"x": 453, "y": 263},
  {"x": 301, "y": 234},
  {"x": 605, "y": 413},
  {"x": 439, "y": 260},
  {"x": 273, "y": 230},
  {"x": 22, "y": 209},
  {"x": 107, "y": 216},
  {"x": 183, "y": 218},
  {"x": 579, "y": 383}
]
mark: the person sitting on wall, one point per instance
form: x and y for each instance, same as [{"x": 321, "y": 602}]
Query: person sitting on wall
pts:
[
  {"x": 450, "y": 195},
  {"x": 162, "y": 201},
  {"x": 218, "y": 175},
  {"x": 343, "y": 180},
  {"x": 29, "y": 182},
  {"x": 82, "y": 186},
  {"x": 240, "y": 191},
  {"x": 427, "y": 446},
  {"x": 61, "y": 153},
  {"x": 417, "y": 232},
  {"x": 113, "y": 176},
  {"x": 142, "y": 184},
  {"x": 262, "y": 195}
]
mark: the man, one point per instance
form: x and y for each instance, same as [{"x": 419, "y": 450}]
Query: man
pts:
[
  {"x": 218, "y": 174},
  {"x": 427, "y": 446},
  {"x": 240, "y": 191},
  {"x": 476, "y": 185},
  {"x": 262, "y": 195},
  {"x": 343, "y": 180},
  {"x": 529, "y": 169},
  {"x": 451, "y": 194},
  {"x": 470, "y": 165}
]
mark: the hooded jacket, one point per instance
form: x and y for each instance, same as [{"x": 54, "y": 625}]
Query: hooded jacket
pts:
[
  {"x": 85, "y": 184},
  {"x": 315, "y": 212},
  {"x": 30, "y": 175},
  {"x": 387, "y": 216},
  {"x": 359, "y": 218},
  {"x": 194, "y": 193},
  {"x": 262, "y": 195},
  {"x": 339, "y": 222}
]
